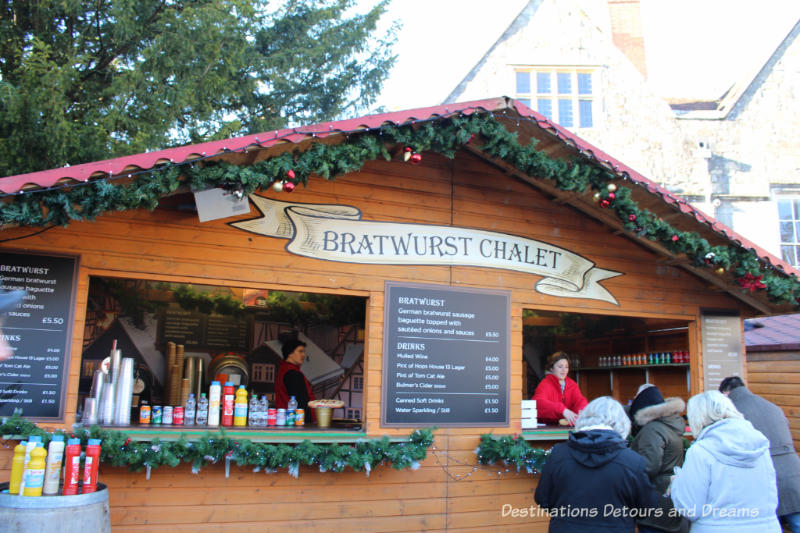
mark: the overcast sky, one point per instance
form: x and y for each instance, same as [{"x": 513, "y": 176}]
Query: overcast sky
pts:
[{"x": 695, "y": 48}]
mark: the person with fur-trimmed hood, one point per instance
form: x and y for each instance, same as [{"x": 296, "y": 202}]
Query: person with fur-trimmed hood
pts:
[{"x": 658, "y": 429}]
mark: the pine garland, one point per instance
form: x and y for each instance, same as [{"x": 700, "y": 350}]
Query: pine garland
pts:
[
  {"x": 511, "y": 451},
  {"x": 117, "y": 449},
  {"x": 443, "y": 135}
]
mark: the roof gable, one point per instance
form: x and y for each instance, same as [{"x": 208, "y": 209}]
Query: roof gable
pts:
[{"x": 501, "y": 131}]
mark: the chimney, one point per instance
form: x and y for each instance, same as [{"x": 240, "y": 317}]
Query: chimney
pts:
[{"x": 626, "y": 30}]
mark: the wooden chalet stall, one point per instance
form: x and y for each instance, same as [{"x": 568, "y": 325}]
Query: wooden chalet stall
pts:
[{"x": 471, "y": 254}]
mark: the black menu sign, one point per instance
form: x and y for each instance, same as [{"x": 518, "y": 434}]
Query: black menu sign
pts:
[
  {"x": 201, "y": 331},
  {"x": 723, "y": 351},
  {"x": 445, "y": 356},
  {"x": 39, "y": 333}
]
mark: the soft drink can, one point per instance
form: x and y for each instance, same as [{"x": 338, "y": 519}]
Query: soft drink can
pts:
[
  {"x": 156, "y": 416},
  {"x": 272, "y": 416},
  {"x": 177, "y": 415},
  {"x": 281, "y": 418},
  {"x": 144, "y": 414},
  {"x": 299, "y": 417},
  {"x": 166, "y": 416}
]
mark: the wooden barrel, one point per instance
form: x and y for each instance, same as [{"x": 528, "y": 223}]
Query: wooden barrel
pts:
[{"x": 81, "y": 513}]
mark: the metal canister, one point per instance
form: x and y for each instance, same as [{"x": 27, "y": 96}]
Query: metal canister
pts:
[
  {"x": 157, "y": 415},
  {"x": 299, "y": 417},
  {"x": 144, "y": 413},
  {"x": 166, "y": 417},
  {"x": 280, "y": 420},
  {"x": 177, "y": 415},
  {"x": 272, "y": 416}
]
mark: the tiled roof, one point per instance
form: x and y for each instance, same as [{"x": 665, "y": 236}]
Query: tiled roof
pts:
[
  {"x": 501, "y": 107},
  {"x": 773, "y": 332}
]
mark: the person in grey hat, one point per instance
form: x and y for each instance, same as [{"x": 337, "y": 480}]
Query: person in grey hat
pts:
[{"x": 8, "y": 300}]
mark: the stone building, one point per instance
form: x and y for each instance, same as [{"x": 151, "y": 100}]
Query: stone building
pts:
[{"x": 582, "y": 64}]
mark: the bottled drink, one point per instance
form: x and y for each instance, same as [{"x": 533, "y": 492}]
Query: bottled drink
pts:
[
  {"x": 290, "y": 410},
  {"x": 214, "y": 397},
  {"x": 253, "y": 414},
  {"x": 202, "y": 410},
  {"x": 263, "y": 411},
  {"x": 240, "y": 407},
  {"x": 228, "y": 401},
  {"x": 190, "y": 410}
]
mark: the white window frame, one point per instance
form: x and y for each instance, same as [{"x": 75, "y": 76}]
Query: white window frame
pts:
[
  {"x": 795, "y": 243},
  {"x": 536, "y": 95}
]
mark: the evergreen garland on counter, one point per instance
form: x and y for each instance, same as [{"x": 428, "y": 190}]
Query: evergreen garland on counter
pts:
[
  {"x": 443, "y": 135},
  {"x": 511, "y": 451},
  {"x": 119, "y": 450}
]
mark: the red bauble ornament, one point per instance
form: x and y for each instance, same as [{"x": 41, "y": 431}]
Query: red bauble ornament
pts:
[
  {"x": 288, "y": 186},
  {"x": 611, "y": 196},
  {"x": 415, "y": 158},
  {"x": 290, "y": 174},
  {"x": 604, "y": 203},
  {"x": 470, "y": 139},
  {"x": 631, "y": 217},
  {"x": 675, "y": 238}
]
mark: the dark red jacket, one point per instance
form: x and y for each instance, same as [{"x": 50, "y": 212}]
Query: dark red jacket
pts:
[
  {"x": 302, "y": 394},
  {"x": 550, "y": 402}
]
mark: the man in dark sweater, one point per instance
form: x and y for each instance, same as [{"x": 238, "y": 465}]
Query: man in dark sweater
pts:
[{"x": 770, "y": 420}]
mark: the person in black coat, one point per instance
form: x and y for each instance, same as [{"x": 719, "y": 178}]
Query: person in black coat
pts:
[{"x": 593, "y": 482}]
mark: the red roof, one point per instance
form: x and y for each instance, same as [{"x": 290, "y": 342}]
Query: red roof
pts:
[
  {"x": 182, "y": 154},
  {"x": 773, "y": 332}
]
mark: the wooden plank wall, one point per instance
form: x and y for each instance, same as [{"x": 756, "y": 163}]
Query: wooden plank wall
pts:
[
  {"x": 776, "y": 377},
  {"x": 449, "y": 491}
]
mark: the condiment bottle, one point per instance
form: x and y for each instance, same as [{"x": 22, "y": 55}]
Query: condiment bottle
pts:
[
  {"x": 91, "y": 465},
  {"x": 33, "y": 478},
  {"x": 72, "y": 467},
  {"x": 240, "y": 407},
  {"x": 228, "y": 401},
  {"x": 17, "y": 467},
  {"x": 52, "y": 472},
  {"x": 33, "y": 441},
  {"x": 214, "y": 394}
]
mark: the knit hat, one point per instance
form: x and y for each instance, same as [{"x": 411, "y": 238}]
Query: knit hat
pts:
[
  {"x": 9, "y": 300},
  {"x": 647, "y": 396}
]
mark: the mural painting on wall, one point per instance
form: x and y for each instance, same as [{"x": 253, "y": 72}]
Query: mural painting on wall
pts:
[{"x": 337, "y": 233}]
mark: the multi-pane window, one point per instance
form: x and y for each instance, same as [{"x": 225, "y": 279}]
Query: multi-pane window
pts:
[
  {"x": 358, "y": 383},
  {"x": 263, "y": 373},
  {"x": 564, "y": 95},
  {"x": 789, "y": 217}
]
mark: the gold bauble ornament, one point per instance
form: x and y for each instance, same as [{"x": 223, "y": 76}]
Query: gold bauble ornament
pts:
[
  {"x": 720, "y": 270},
  {"x": 277, "y": 186},
  {"x": 611, "y": 187},
  {"x": 596, "y": 197}
]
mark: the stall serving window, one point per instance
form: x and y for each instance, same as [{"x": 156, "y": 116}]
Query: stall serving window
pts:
[
  {"x": 181, "y": 337},
  {"x": 608, "y": 355}
]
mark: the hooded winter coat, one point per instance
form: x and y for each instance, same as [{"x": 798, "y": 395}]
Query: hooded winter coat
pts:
[
  {"x": 660, "y": 441},
  {"x": 727, "y": 482},
  {"x": 594, "y": 483},
  {"x": 770, "y": 420}
]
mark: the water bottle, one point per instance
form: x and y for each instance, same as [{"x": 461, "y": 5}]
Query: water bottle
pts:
[
  {"x": 290, "y": 410},
  {"x": 202, "y": 410},
  {"x": 190, "y": 410},
  {"x": 254, "y": 412},
  {"x": 263, "y": 411}
]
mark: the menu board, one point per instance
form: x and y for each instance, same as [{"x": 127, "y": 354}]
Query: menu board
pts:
[
  {"x": 201, "y": 331},
  {"x": 39, "y": 332},
  {"x": 723, "y": 351},
  {"x": 445, "y": 356}
]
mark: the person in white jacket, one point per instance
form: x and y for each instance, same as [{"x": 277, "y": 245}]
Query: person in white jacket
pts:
[{"x": 727, "y": 482}]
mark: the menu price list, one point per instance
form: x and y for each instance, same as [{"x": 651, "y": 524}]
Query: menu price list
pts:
[
  {"x": 722, "y": 349},
  {"x": 446, "y": 356},
  {"x": 37, "y": 331}
]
